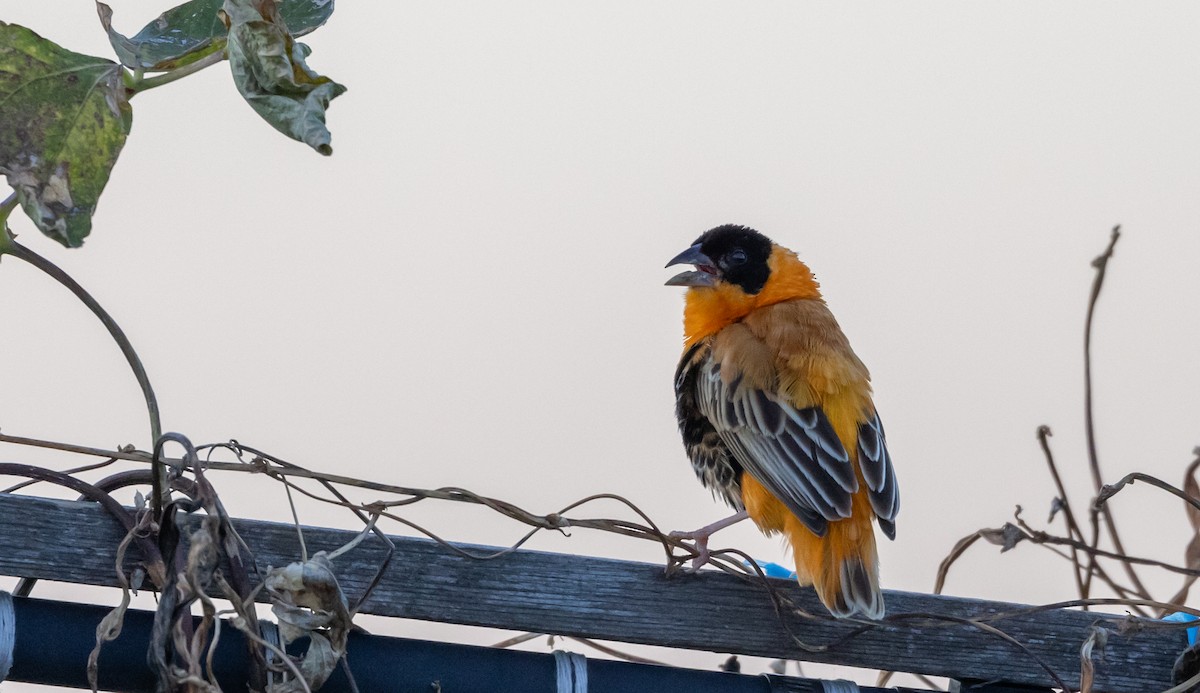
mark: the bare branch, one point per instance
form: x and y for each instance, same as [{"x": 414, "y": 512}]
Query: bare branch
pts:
[
  {"x": 1101, "y": 266},
  {"x": 1043, "y": 435}
]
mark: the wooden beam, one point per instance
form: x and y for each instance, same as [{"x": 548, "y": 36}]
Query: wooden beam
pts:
[{"x": 635, "y": 602}]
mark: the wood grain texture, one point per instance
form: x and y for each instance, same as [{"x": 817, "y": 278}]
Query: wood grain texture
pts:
[{"x": 633, "y": 602}]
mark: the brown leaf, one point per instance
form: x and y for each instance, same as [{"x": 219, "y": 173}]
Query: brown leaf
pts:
[
  {"x": 1087, "y": 665},
  {"x": 307, "y": 600},
  {"x": 1006, "y": 537},
  {"x": 1187, "y": 666},
  {"x": 1192, "y": 488},
  {"x": 310, "y": 584},
  {"x": 1191, "y": 555},
  {"x": 1055, "y": 506},
  {"x": 107, "y": 630}
]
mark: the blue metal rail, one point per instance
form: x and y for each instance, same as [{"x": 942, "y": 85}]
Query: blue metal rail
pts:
[{"x": 53, "y": 639}]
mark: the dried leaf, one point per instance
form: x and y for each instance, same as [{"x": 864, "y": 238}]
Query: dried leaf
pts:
[
  {"x": 1055, "y": 506},
  {"x": 1098, "y": 638},
  {"x": 107, "y": 630},
  {"x": 65, "y": 119},
  {"x": 310, "y": 585},
  {"x": 1187, "y": 665},
  {"x": 1192, "y": 488},
  {"x": 1006, "y": 537},
  {"x": 203, "y": 557},
  {"x": 1191, "y": 555},
  {"x": 297, "y": 622},
  {"x": 308, "y": 602},
  {"x": 269, "y": 70},
  {"x": 319, "y": 661}
]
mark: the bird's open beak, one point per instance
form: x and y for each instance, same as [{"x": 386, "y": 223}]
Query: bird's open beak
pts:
[{"x": 705, "y": 273}]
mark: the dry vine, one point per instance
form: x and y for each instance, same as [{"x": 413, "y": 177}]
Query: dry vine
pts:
[
  {"x": 200, "y": 580},
  {"x": 1090, "y": 563},
  {"x": 213, "y": 564}
]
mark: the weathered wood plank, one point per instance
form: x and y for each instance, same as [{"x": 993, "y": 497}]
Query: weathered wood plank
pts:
[{"x": 629, "y": 602}]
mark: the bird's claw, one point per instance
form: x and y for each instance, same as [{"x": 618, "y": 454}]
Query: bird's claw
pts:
[
  {"x": 699, "y": 538},
  {"x": 697, "y": 541}
]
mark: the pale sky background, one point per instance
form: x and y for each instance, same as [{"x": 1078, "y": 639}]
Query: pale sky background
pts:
[{"x": 469, "y": 291}]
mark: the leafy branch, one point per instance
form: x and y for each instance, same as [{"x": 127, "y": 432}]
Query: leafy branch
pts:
[{"x": 68, "y": 115}]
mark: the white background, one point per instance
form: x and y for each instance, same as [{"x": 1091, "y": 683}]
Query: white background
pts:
[{"x": 469, "y": 291}]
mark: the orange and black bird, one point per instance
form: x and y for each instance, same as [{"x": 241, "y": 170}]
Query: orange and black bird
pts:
[{"x": 776, "y": 414}]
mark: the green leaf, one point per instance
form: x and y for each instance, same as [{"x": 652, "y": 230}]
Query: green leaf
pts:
[
  {"x": 305, "y": 16},
  {"x": 190, "y": 31},
  {"x": 270, "y": 72},
  {"x": 65, "y": 118},
  {"x": 6, "y": 238},
  {"x": 179, "y": 36}
]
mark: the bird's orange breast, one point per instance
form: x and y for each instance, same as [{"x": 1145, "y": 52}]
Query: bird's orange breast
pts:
[{"x": 709, "y": 309}]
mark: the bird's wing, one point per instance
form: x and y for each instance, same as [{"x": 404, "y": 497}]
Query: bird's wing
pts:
[
  {"x": 876, "y": 466},
  {"x": 793, "y": 452},
  {"x": 711, "y": 458}
]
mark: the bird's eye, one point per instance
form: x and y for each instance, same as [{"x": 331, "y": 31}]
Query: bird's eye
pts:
[{"x": 735, "y": 257}]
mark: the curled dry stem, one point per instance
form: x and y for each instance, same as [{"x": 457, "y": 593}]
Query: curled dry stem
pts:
[
  {"x": 153, "y": 558},
  {"x": 15, "y": 249},
  {"x": 1110, "y": 490}
]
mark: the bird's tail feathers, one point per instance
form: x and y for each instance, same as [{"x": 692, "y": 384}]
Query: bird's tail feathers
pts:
[
  {"x": 842, "y": 566},
  {"x": 857, "y": 591}
]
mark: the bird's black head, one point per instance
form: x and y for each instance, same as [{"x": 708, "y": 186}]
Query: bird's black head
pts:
[{"x": 734, "y": 254}]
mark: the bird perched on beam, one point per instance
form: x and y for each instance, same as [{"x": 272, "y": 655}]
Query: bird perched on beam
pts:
[{"x": 776, "y": 414}]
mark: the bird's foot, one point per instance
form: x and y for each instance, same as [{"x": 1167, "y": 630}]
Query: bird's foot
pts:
[
  {"x": 697, "y": 541},
  {"x": 698, "y": 538}
]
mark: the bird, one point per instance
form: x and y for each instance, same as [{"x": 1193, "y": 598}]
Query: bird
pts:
[{"x": 777, "y": 417}]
